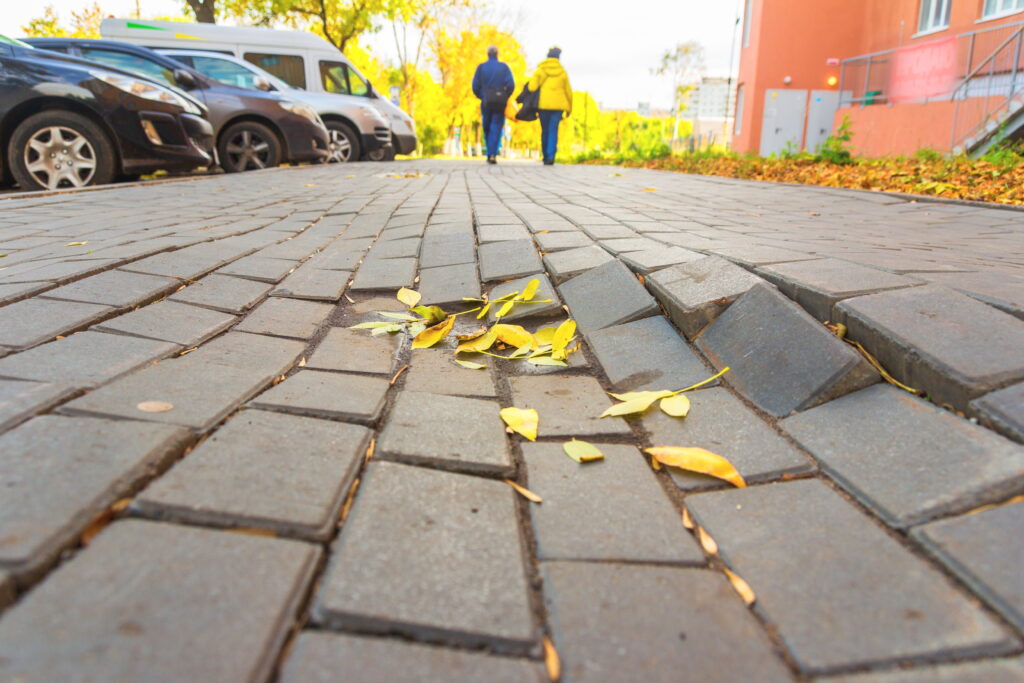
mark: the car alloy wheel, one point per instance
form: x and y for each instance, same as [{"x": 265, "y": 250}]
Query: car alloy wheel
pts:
[
  {"x": 339, "y": 146},
  {"x": 248, "y": 149},
  {"x": 59, "y": 157}
]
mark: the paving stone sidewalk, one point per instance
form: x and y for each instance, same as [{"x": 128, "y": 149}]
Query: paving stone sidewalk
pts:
[{"x": 207, "y": 476}]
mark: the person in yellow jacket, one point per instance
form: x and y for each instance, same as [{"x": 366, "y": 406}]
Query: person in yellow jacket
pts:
[{"x": 555, "y": 100}]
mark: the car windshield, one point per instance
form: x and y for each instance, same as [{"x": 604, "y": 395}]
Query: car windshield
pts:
[
  {"x": 14, "y": 41},
  {"x": 227, "y": 72}
]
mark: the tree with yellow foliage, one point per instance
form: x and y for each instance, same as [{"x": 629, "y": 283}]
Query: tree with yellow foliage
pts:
[{"x": 84, "y": 24}]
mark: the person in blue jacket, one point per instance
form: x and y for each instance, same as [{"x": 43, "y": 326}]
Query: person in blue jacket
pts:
[{"x": 493, "y": 84}]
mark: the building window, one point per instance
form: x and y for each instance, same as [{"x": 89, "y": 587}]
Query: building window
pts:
[
  {"x": 998, "y": 8},
  {"x": 748, "y": 10},
  {"x": 934, "y": 16},
  {"x": 737, "y": 125}
]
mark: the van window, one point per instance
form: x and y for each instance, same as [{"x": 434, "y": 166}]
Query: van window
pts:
[
  {"x": 289, "y": 68},
  {"x": 356, "y": 83},
  {"x": 334, "y": 77},
  {"x": 226, "y": 72},
  {"x": 130, "y": 62}
]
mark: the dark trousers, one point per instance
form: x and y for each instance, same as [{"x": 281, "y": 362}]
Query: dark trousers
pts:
[
  {"x": 494, "y": 124},
  {"x": 549, "y": 119}
]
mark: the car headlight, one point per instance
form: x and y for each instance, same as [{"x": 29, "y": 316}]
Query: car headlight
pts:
[
  {"x": 302, "y": 110},
  {"x": 146, "y": 90}
]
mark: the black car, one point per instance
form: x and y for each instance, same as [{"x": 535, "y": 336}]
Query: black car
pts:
[
  {"x": 253, "y": 128},
  {"x": 66, "y": 122}
]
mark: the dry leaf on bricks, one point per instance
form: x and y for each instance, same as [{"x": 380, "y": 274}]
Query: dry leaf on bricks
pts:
[
  {"x": 698, "y": 460},
  {"x": 551, "y": 661},
  {"x": 514, "y": 335},
  {"x": 522, "y": 421},
  {"x": 478, "y": 344},
  {"x": 408, "y": 297},
  {"x": 525, "y": 492},
  {"x": 706, "y": 542},
  {"x": 561, "y": 338},
  {"x": 741, "y": 587},
  {"x": 582, "y": 451},
  {"x": 676, "y": 406},
  {"x": 634, "y": 402},
  {"x": 432, "y": 335},
  {"x": 155, "y": 406},
  {"x": 470, "y": 365}
]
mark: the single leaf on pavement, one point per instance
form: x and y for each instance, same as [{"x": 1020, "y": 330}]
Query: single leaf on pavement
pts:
[
  {"x": 505, "y": 308},
  {"x": 706, "y": 542},
  {"x": 697, "y": 460},
  {"x": 653, "y": 395},
  {"x": 75, "y": 244},
  {"x": 432, "y": 314},
  {"x": 525, "y": 492},
  {"x": 638, "y": 403},
  {"x": 582, "y": 451},
  {"x": 513, "y": 335},
  {"x": 676, "y": 406},
  {"x": 562, "y": 337},
  {"x": 409, "y": 297},
  {"x": 530, "y": 290},
  {"x": 522, "y": 421},
  {"x": 551, "y": 662},
  {"x": 741, "y": 586},
  {"x": 470, "y": 364},
  {"x": 545, "y": 335},
  {"x": 687, "y": 521},
  {"x": 478, "y": 344},
  {"x": 155, "y": 406},
  {"x": 432, "y": 335}
]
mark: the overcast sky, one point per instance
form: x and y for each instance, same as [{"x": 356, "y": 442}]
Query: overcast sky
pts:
[{"x": 608, "y": 48}]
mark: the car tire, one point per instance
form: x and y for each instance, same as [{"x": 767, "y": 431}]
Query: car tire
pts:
[
  {"x": 248, "y": 145},
  {"x": 382, "y": 154},
  {"x": 57, "y": 149},
  {"x": 342, "y": 143}
]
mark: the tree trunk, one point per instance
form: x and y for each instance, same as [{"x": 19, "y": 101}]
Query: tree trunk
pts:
[{"x": 204, "y": 10}]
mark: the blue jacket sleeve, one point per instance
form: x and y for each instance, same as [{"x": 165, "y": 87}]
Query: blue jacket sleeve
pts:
[
  {"x": 476, "y": 82},
  {"x": 510, "y": 82}
]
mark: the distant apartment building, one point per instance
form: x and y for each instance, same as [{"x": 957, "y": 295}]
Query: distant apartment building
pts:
[
  {"x": 708, "y": 107},
  {"x": 909, "y": 74}
]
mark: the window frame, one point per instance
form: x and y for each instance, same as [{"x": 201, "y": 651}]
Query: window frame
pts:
[
  {"x": 748, "y": 12},
  {"x": 999, "y": 14},
  {"x": 301, "y": 71},
  {"x": 325, "y": 66},
  {"x": 944, "y": 7},
  {"x": 737, "y": 116}
]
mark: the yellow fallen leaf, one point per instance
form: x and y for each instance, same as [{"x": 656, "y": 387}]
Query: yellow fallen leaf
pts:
[
  {"x": 551, "y": 662},
  {"x": 530, "y": 290},
  {"x": 432, "y": 335},
  {"x": 582, "y": 451},
  {"x": 513, "y": 335},
  {"x": 655, "y": 464},
  {"x": 525, "y": 492},
  {"x": 470, "y": 364},
  {"x": 545, "y": 335},
  {"x": 522, "y": 420},
  {"x": 405, "y": 317},
  {"x": 653, "y": 395},
  {"x": 471, "y": 335},
  {"x": 504, "y": 310},
  {"x": 432, "y": 314},
  {"x": 561, "y": 338},
  {"x": 741, "y": 587},
  {"x": 649, "y": 189},
  {"x": 478, "y": 344},
  {"x": 706, "y": 542},
  {"x": 687, "y": 522},
  {"x": 676, "y": 406},
  {"x": 638, "y": 402},
  {"x": 710, "y": 379},
  {"x": 697, "y": 460},
  {"x": 75, "y": 244},
  {"x": 155, "y": 406}
]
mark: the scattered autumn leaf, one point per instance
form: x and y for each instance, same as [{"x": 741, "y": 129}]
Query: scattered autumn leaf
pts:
[
  {"x": 699, "y": 460},
  {"x": 409, "y": 297},
  {"x": 545, "y": 335},
  {"x": 582, "y": 451},
  {"x": 551, "y": 661},
  {"x": 398, "y": 374},
  {"x": 514, "y": 335},
  {"x": 470, "y": 364},
  {"x": 432, "y": 335},
  {"x": 634, "y": 402},
  {"x": 561, "y": 338},
  {"x": 76, "y": 244},
  {"x": 478, "y": 344},
  {"x": 706, "y": 542},
  {"x": 522, "y": 421},
  {"x": 155, "y": 406},
  {"x": 676, "y": 406},
  {"x": 431, "y": 314},
  {"x": 687, "y": 522},
  {"x": 530, "y": 290},
  {"x": 524, "y": 492},
  {"x": 741, "y": 587}
]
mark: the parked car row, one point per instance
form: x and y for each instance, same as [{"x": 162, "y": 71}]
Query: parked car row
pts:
[{"x": 77, "y": 112}]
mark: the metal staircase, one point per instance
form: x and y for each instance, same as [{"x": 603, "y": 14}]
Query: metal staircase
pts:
[{"x": 989, "y": 102}]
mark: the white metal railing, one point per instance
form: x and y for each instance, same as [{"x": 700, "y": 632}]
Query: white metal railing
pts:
[{"x": 988, "y": 92}]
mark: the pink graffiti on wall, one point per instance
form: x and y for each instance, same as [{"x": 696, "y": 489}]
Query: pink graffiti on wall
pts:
[{"x": 923, "y": 70}]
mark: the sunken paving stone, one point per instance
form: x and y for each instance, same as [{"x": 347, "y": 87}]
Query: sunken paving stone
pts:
[
  {"x": 755, "y": 255},
  {"x": 286, "y": 318},
  {"x": 435, "y": 371},
  {"x": 253, "y": 472},
  {"x": 1003, "y": 291},
  {"x": 607, "y": 295},
  {"x": 818, "y": 285},
  {"x": 983, "y": 549},
  {"x": 384, "y": 274},
  {"x": 1003, "y": 410},
  {"x": 988, "y": 671},
  {"x": 781, "y": 359},
  {"x": 171, "y": 321},
  {"x": 646, "y": 354},
  {"x": 630, "y": 244},
  {"x": 841, "y": 592},
  {"x": 115, "y": 288},
  {"x": 523, "y": 310},
  {"x": 332, "y": 395},
  {"x": 501, "y": 233},
  {"x": 431, "y": 555},
  {"x": 84, "y": 359},
  {"x": 355, "y": 351},
  {"x": 953, "y": 347},
  {"x": 319, "y": 656},
  {"x": 60, "y": 472},
  {"x": 562, "y": 265},
  {"x": 608, "y": 510},
  {"x": 446, "y": 285},
  {"x": 33, "y": 321},
  {"x": 313, "y": 284},
  {"x": 508, "y": 260},
  {"x": 163, "y": 602},
  {"x": 720, "y": 423},
  {"x": 649, "y": 260},
  {"x": 625, "y": 622},
  {"x": 906, "y": 458},
  {"x": 696, "y": 293},
  {"x": 223, "y": 293},
  {"x": 203, "y": 387},
  {"x": 447, "y": 432},
  {"x": 21, "y": 400},
  {"x": 568, "y": 406},
  {"x": 560, "y": 241},
  {"x": 447, "y": 250},
  {"x": 396, "y": 248}
]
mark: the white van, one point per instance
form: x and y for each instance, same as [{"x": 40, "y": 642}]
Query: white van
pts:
[{"x": 300, "y": 59}]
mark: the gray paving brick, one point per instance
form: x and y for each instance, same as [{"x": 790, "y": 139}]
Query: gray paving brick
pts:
[
  {"x": 84, "y": 359},
  {"x": 562, "y": 265},
  {"x": 21, "y": 400},
  {"x": 951, "y": 346},
  {"x": 447, "y": 250},
  {"x": 384, "y": 274},
  {"x": 782, "y": 359},
  {"x": 313, "y": 284},
  {"x": 501, "y": 233},
  {"x": 651, "y": 260},
  {"x": 59, "y": 472},
  {"x": 696, "y": 293},
  {"x": 905, "y": 458},
  {"x": 253, "y": 472},
  {"x": 983, "y": 550},
  {"x": 508, "y": 260},
  {"x": 646, "y": 354},
  {"x": 396, "y": 248},
  {"x": 606, "y": 295},
  {"x": 841, "y": 592},
  {"x": 434, "y": 371},
  {"x": 720, "y": 423},
  {"x": 9, "y": 293},
  {"x": 759, "y": 255},
  {"x": 337, "y": 396},
  {"x": 56, "y": 272},
  {"x": 449, "y": 284},
  {"x": 627, "y": 245},
  {"x": 448, "y": 432},
  {"x": 560, "y": 241},
  {"x": 163, "y": 602},
  {"x": 223, "y": 293},
  {"x": 632, "y": 622},
  {"x": 607, "y": 231},
  {"x": 1003, "y": 291},
  {"x": 457, "y": 576},
  {"x": 340, "y": 255},
  {"x": 988, "y": 671},
  {"x": 171, "y": 321},
  {"x": 286, "y": 318},
  {"x": 524, "y": 310},
  {"x": 259, "y": 268},
  {"x": 355, "y": 351},
  {"x": 818, "y": 285},
  {"x": 568, "y": 406},
  {"x": 189, "y": 263},
  {"x": 1003, "y": 410},
  {"x": 612, "y": 509},
  {"x": 116, "y": 288},
  {"x": 34, "y": 321},
  {"x": 319, "y": 656}
]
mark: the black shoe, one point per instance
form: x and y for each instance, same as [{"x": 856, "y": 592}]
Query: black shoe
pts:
[
  {"x": 549, "y": 162},
  {"x": 492, "y": 160}
]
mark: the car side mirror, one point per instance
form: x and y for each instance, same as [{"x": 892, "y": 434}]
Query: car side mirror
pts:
[
  {"x": 185, "y": 79},
  {"x": 262, "y": 84}
]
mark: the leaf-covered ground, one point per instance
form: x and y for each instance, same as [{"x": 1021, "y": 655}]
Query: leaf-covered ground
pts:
[{"x": 957, "y": 178}]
